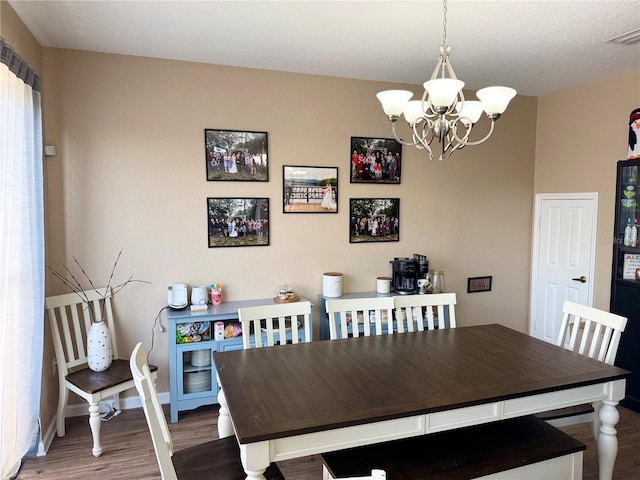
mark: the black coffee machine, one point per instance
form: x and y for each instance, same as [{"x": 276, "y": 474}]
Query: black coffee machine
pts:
[{"x": 406, "y": 272}]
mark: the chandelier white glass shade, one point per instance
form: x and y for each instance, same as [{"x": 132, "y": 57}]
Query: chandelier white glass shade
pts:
[{"x": 443, "y": 113}]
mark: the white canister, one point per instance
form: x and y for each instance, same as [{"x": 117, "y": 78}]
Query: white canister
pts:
[
  {"x": 332, "y": 284},
  {"x": 383, "y": 285}
]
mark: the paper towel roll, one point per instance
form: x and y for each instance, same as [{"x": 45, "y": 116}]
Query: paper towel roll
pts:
[{"x": 332, "y": 284}]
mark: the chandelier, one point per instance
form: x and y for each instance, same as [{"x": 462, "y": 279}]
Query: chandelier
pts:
[{"x": 443, "y": 113}]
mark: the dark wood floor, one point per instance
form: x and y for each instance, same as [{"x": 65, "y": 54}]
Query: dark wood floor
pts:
[{"x": 128, "y": 451}]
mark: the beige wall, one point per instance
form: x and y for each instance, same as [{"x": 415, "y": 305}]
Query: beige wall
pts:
[
  {"x": 581, "y": 133},
  {"x": 130, "y": 174}
]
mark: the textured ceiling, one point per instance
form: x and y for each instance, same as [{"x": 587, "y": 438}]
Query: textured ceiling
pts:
[{"x": 536, "y": 47}]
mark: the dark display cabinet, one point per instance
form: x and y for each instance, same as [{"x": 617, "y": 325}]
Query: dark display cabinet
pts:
[{"x": 625, "y": 275}]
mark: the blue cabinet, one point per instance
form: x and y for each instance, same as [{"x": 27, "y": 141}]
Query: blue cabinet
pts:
[{"x": 192, "y": 374}]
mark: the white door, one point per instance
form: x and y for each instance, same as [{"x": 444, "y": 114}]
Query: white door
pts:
[{"x": 564, "y": 244}]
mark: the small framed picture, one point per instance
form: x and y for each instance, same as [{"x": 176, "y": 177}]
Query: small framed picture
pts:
[
  {"x": 238, "y": 222},
  {"x": 309, "y": 189},
  {"x": 375, "y": 160},
  {"x": 232, "y": 155},
  {"x": 374, "y": 220},
  {"x": 479, "y": 284}
]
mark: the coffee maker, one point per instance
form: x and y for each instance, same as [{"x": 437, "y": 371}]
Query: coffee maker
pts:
[{"x": 406, "y": 272}]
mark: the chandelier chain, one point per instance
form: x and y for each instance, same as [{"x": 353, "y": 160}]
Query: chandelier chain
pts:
[{"x": 444, "y": 24}]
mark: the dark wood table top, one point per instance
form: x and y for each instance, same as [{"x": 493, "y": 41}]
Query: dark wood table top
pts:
[{"x": 289, "y": 390}]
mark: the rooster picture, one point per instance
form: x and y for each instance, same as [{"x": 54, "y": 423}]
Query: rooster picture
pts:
[{"x": 634, "y": 135}]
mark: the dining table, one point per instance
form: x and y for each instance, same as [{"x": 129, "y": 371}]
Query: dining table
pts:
[{"x": 291, "y": 401}]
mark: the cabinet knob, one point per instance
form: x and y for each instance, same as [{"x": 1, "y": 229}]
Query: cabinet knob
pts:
[{"x": 581, "y": 279}]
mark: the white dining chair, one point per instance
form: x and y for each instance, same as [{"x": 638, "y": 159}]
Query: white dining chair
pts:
[
  {"x": 595, "y": 334},
  {"x": 359, "y": 316},
  {"x": 219, "y": 458},
  {"x": 275, "y": 324},
  {"x": 70, "y": 319},
  {"x": 414, "y": 311}
]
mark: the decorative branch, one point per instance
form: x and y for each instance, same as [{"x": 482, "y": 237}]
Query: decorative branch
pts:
[{"x": 72, "y": 283}]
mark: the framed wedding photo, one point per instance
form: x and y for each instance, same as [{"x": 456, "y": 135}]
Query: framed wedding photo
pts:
[
  {"x": 238, "y": 222},
  {"x": 374, "y": 220},
  {"x": 375, "y": 160},
  {"x": 233, "y": 155},
  {"x": 309, "y": 189}
]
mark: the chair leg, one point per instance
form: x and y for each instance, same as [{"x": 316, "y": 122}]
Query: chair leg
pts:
[
  {"x": 63, "y": 397},
  {"x": 94, "y": 423}
]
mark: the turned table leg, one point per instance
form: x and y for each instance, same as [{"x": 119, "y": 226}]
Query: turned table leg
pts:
[
  {"x": 607, "y": 439},
  {"x": 225, "y": 427}
]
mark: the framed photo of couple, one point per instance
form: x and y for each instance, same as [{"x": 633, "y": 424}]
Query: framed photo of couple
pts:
[{"x": 309, "y": 189}]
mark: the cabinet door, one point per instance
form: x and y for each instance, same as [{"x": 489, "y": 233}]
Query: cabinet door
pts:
[
  {"x": 196, "y": 373},
  {"x": 627, "y": 247},
  {"x": 231, "y": 344}
]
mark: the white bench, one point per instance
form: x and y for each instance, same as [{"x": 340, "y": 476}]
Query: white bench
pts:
[{"x": 521, "y": 448}]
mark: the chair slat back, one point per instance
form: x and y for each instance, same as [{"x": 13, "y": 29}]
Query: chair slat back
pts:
[
  {"x": 375, "y": 315},
  {"x": 591, "y": 332},
  {"x": 414, "y": 311},
  {"x": 278, "y": 323},
  {"x": 70, "y": 320},
  {"x": 162, "y": 443}
]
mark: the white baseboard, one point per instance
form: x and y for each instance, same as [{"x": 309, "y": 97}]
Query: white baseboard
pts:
[{"x": 81, "y": 409}]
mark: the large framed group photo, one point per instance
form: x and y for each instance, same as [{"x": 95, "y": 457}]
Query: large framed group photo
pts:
[
  {"x": 238, "y": 222},
  {"x": 375, "y": 160},
  {"x": 374, "y": 220},
  {"x": 233, "y": 155},
  {"x": 309, "y": 189}
]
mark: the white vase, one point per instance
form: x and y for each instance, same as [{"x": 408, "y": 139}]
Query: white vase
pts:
[{"x": 99, "y": 349}]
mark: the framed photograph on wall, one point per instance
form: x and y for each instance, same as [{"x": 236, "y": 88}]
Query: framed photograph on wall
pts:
[
  {"x": 374, "y": 220},
  {"x": 309, "y": 189},
  {"x": 375, "y": 160},
  {"x": 232, "y": 155},
  {"x": 238, "y": 222}
]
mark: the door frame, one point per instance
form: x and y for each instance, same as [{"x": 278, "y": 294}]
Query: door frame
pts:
[{"x": 539, "y": 198}]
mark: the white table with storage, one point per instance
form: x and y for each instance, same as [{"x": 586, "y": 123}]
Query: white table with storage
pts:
[{"x": 193, "y": 381}]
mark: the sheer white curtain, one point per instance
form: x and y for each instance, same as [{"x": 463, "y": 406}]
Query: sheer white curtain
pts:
[{"x": 21, "y": 260}]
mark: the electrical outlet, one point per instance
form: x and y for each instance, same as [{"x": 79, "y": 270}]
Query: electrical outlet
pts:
[{"x": 55, "y": 365}]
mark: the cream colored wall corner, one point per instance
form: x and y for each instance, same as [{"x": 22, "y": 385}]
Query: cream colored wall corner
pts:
[
  {"x": 581, "y": 133},
  {"x": 19, "y": 37}
]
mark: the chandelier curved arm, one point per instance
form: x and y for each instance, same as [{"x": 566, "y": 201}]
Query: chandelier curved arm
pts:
[
  {"x": 465, "y": 140},
  {"x": 415, "y": 143}
]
